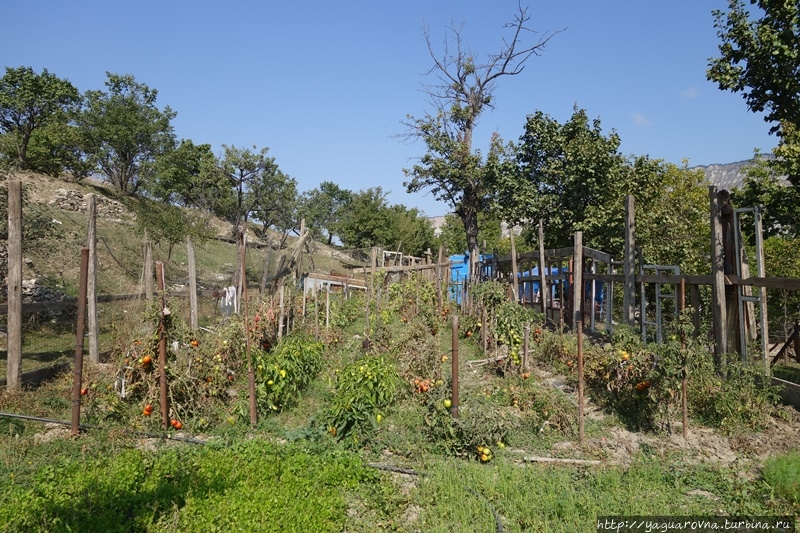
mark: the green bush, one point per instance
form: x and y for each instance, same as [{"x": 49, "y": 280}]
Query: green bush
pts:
[
  {"x": 364, "y": 389},
  {"x": 283, "y": 373}
]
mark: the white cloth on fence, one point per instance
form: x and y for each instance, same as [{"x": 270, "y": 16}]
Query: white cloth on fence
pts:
[{"x": 228, "y": 303}]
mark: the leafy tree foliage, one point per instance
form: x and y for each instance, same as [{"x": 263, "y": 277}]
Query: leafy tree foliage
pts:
[
  {"x": 323, "y": 208},
  {"x": 454, "y": 238},
  {"x": 258, "y": 189},
  {"x": 782, "y": 258},
  {"x": 777, "y": 202},
  {"x": 187, "y": 176},
  {"x": 169, "y": 223},
  {"x": 124, "y": 132},
  {"x": 466, "y": 83},
  {"x": 760, "y": 58},
  {"x": 573, "y": 177},
  {"x": 371, "y": 221},
  {"x": 29, "y": 103}
]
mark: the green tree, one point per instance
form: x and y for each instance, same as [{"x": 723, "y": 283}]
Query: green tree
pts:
[
  {"x": 465, "y": 89},
  {"x": 760, "y": 58},
  {"x": 573, "y": 178},
  {"x": 371, "y": 221},
  {"x": 253, "y": 177},
  {"x": 169, "y": 223},
  {"x": 124, "y": 132},
  {"x": 776, "y": 202},
  {"x": 188, "y": 176},
  {"x": 30, "y": 102},
  {"x": 323, "y": 208},
  {"x": 454, "y": 238}
]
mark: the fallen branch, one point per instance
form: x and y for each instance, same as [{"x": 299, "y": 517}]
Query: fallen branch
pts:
[
  {"x": 480, "y": 362},
  {"x": 594, "y": 462}
]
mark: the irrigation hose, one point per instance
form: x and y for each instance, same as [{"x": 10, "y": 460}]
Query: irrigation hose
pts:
[
  {"x": 147, "y": 434},
  {"x": 411, "y": 472}
]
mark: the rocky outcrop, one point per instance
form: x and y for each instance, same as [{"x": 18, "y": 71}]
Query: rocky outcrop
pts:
[{"x": 72, "y": 200}]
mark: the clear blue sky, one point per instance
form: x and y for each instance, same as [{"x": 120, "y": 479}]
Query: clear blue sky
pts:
[{"x": 326, "y": 84}]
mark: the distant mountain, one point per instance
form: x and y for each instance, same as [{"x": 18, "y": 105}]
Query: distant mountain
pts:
[{"x": 728, "y": 176}]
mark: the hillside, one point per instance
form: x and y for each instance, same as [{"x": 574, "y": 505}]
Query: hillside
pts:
[{"x": 51, "y": 263}]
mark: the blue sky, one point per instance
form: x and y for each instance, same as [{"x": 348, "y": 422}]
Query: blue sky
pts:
[{"x": 326, "y": 84}]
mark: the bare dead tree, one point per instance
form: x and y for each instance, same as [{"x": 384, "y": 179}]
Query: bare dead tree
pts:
[{"x": 465, "y": 88}]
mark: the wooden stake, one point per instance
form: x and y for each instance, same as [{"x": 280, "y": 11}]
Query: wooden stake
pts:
[
  {"x": 162, "y": 348},
  {"x": 14, "y": 347},
  {"x": 579, "y": 328},
  {"x": 193, "y": 319},
  {"x": 80, "y": 327},
  {"x": 454, "y": 369},
  {"x": 684, "y": 406},
  {"x": 91, "y": 287}
]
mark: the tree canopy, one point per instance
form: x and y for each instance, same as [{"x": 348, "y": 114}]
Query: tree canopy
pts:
[
  {"x": 123, "y": 132},
  {"x": 573, "y": 177},
  {"x": 323, "y": 208},
  {"x": 30, "y": 102}
]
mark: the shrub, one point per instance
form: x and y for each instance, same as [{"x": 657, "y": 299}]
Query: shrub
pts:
[
  {"x": 364, "y": 389},
  {"x": 282, "y": 374}
]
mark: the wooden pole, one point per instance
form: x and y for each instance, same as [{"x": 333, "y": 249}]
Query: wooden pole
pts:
[
  {"x": 577, "y": 269},
  {"x": 514, "y": 272},
  {"x": 525, "y": 344},
  {"x": 543, "y": 288},
  {"x": 684, "y": 404},
  {"x": 718, "y": 271},
  {"x": 579, "y": 329},
  {"x": 14, "y": 348},
  {"x": 193, "y": 319},
  {"x": 80, "y": 327},
  {"x": 629, "y": 264},
  {"x": 148, "y": 268},
  {"x": 162, "y": 348},
  {"x": 265, "y": 274},
  {"x": 327, "y": 307},
  {"x": 251, "y": 378},
  {"x": 91, "y": 287},
  {"x": 454, "y": 368},
  {"x": 280, "y": 311}
]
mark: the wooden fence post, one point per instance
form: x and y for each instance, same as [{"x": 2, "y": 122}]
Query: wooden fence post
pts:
[
  {"x": 577, "y": 287},
  {"x": 629, "y": 264},
  {"x": 14, "y": 348},
  {"x": 718, "y": 271},
  {"x": 91, "y": 287},
  {"x": 148, "y": 268},
  {"x": 543, "y": 288},
  {"x": 162, "y": 348},
  {"x": 579, "y": 330},
  {"x": 80, "y": 326},
  {"x": 454, "y": 369},
  {"x": 193, "y": 321},
  {"x": 514, "y": 272}
]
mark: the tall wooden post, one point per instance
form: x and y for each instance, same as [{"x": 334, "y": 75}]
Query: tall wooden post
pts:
[
  {"x": 629, "y": 264},
  {"x": 718, "y": 271},
  {"x": 265, "y": 274},
  {"x": 162, "y": 348},
  {"x": 14, "y": 349},
  {"x": 543, "y": 288},
  {"x": 454, "y": 368},
  {"x": 577, "y": 287},
  {"x": 579, "y": 330},
  {"x": 148, "y": 268},
  {"x": 91, "y": 287},
  {"x": 251, "y": 379},
  {"x": 80, "y": 326},
  {"x": 193, "y": 321},
  {"x": 514, "y": 273},
  {"x": 684, "y": 370}
]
